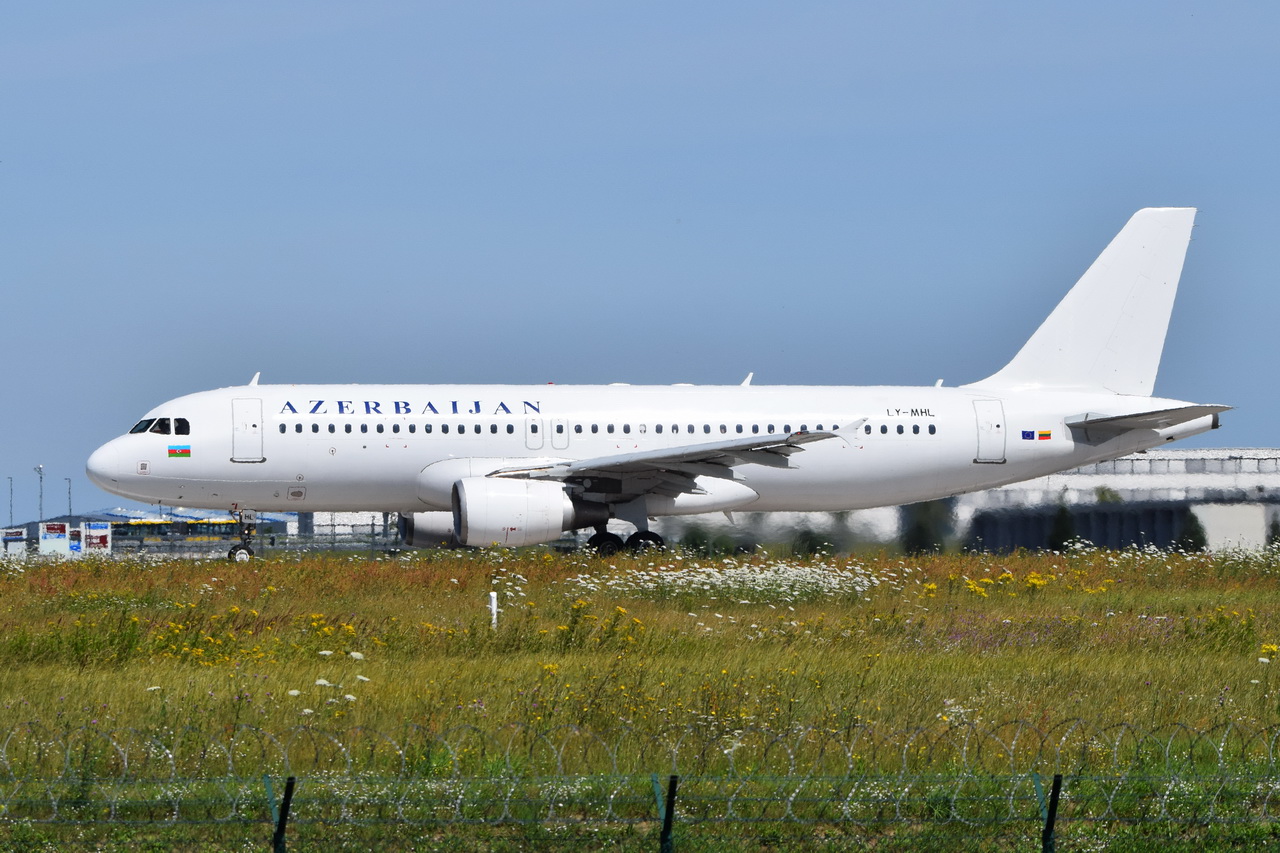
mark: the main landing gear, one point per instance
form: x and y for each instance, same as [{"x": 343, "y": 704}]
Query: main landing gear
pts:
[
  {"x": 607, "y": 544},
  {"x": 247, "y": 522}
]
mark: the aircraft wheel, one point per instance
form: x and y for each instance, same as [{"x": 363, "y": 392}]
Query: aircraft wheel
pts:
[
  {"x": 644, "y": 540},
  {"x": 241, "y": 554},
  {"x": 605, "y": 544}
]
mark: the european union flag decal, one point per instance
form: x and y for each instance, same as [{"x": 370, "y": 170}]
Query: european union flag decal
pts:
[{"x": 1028, "y": 435}]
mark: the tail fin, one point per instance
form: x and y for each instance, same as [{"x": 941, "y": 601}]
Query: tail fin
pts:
[{"x": 1108, "y": 332}]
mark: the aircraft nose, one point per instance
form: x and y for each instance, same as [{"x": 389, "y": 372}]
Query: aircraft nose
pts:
[{"x": 103, "y": 467}]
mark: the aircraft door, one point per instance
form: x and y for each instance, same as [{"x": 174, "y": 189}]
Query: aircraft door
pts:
[
  {"x": 246, "y": 430},
  {"x": 559, "y": 433},
  {"x": 991, "y": 432},
  {"x": 533, "y": 438}
]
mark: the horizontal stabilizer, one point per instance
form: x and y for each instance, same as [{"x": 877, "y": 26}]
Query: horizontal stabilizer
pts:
[{"x": 1158, "y": 419}]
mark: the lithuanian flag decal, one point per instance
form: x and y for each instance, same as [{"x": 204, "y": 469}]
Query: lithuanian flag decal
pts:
[
  {"x": 1043, "y": 435},
  {"x": 179, "y": 451}
]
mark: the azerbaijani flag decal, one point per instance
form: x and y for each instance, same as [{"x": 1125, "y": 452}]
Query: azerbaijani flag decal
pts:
[{"x": 179, "y": 451}]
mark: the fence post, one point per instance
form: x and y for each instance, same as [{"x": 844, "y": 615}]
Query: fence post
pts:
[
  {"x": 277, "y": 841},
  {"x": 1046, "y": 837},
  {"x": 668, "y": 817}
]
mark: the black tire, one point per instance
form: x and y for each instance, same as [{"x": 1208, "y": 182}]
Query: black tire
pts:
[
  {"x": 240, "y": 554},
  {"x": 645, "y": 540},
  {"x": 605, "y": 544}
]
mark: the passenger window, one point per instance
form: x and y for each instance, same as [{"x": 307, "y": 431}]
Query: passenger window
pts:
[
  {"x": 297, "y": 427},
  {"x": 559, "y": 429},
  {"x": 867, "y": 429},
  {"x": 786, "y": 428},
  {"x": 533, "y": 427},
  {"x": 493, "y": 429},
  {"x": 900, "y": 430},
  {"x": 915, "y": 429},
  {"x": 819, "y": 427},
  {"x": 690, "y": 429},
  {"x": 770, "y": 429},
  {"x": 332, "y": 428},
  {"x": 444, "y": 428},
  {"x": 346, "y": 428},
  {"x": 723, "y": 429},
  {"x": 142, "y": 426},
  {"x": 315, "y": 427},
  {"x": 884, "y": 429},
  {"x": 511, "y": 428},
  {"x": 378, "y": 427},
  {"x": 932, "y": 429},
  {"x": 426, "y": 428},
  {"x": 477, "y": 429},
  {"x": 364, "y": 427},
  {"x": 706, "y": 428},
  {"x": 595, "y": 428},
  {"x": 609, "y": 429},
  {"x": 412, "y": 429},
  {"x": 282, "y": 429},
  {"x": 657, "y": 428},
  {"x": 804, "y": 427},
  {"x": 161, "y": 426},
  {"x": 181, "y": 426},
  {"x": 626, "y": 428},
  {"x": 577, "y": 428},
  {"x": 395, "y": 427},
  {"x": 755, "y": 429}
]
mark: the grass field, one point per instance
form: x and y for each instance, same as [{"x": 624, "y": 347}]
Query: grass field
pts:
[
  {"x": 714, "y": 661},
  {"x": 650, "y": 644}
]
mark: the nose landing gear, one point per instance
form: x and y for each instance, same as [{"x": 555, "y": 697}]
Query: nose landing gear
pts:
[{"x": 247, "y": 522}]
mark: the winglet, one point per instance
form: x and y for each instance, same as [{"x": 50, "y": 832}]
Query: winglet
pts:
[
  {"x": 1107, "y": 334},
  {"x": 254, "y": 380},
  {"x": 747, "y": 381}
]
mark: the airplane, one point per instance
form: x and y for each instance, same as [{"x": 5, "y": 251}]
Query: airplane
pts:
[{"x": 513, "y": 465}]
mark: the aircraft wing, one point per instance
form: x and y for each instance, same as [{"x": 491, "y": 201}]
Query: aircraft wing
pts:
[
  {"x": 1158, "y": 419},
  {"x": 673, "y": 470}
]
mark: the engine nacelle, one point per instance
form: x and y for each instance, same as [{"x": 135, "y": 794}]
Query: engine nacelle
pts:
[
  {"x": 428, "y": 530},
  {"x": 511, "y": 512}
]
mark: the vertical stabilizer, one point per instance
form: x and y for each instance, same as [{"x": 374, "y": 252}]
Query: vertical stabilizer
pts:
[{"x": 1107, "y": 333}]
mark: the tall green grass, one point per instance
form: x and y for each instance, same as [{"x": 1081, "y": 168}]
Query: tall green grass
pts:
[{"x": 645, "y": 646}]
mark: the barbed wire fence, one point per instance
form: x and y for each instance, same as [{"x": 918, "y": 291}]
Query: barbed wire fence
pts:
[{"x": 803, "y": 787}]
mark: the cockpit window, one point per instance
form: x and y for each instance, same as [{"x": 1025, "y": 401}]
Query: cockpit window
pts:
[
  {"x": 161, "y": 426},
  {"x": 142, "y": 426},
  {"x": 181, "y": 426}
]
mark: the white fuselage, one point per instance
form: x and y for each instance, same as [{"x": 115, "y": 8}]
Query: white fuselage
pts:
[{"x": 365, "y": 447}]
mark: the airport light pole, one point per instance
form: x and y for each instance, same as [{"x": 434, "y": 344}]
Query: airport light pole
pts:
[
  {"x": 39, "y": 469},
  {"x": 68, "y": 479},
  {"x": 11, "y": 502}
]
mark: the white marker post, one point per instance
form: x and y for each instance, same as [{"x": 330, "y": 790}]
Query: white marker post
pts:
[{"x": 493, "y": 609}]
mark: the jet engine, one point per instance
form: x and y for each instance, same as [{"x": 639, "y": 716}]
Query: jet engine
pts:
[
  {"x": 511, "y": 512},
  {"x": 428, "y": 530}
]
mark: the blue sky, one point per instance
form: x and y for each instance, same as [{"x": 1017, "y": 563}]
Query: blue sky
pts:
[{"x": 582, "y": 192}]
